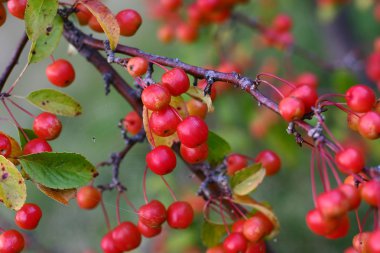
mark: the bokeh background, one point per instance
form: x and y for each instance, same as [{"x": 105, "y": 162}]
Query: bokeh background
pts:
[{"x": 94, "y": 134}]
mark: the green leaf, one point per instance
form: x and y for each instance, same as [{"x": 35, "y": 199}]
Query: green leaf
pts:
[
  {"x": 46, "y": 42},
  {"x": 246, "y": 180},
  {"x": 12, "y": 185},
  {"x": 39, "y": 15},
  {"x": 218, "y": 148},
  {"x": 212, "y": 234},
  {"x": 198, "y": 93},
  {"x": 106, "y": 20},
  {"x": 58, "y": 170},
  {"x": 30, "y": 133},
  {"x": 56, "y": 102}
]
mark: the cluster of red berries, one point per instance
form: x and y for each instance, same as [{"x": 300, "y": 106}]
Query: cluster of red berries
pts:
[
  {"x": 28, "y": 217},
  {"x": 269, "y": 160},
  {"x": 129, "y": 20},
  {"x": 246, "y": 236},
  {"x": 278, "y": 34},
  {"x": 365, "y": 111},
  {"x": 372, "y": 65},
  {"x": 198, "y": 13}
]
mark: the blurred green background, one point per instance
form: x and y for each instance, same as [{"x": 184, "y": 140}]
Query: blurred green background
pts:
[{"x": 95, "y": 134}]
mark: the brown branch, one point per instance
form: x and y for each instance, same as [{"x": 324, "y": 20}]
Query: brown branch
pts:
[{"x": 14, "y": 61}]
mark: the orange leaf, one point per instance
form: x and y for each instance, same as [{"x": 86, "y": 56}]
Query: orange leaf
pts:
[
  {"x": 62, "y": 196},
  {"x": 105, "y": 18}
]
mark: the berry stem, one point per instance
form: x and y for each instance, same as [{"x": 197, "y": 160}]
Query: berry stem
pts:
[
  {"x": 358, "y": 221},
  {"x": 118, "y": 207},
  {"x": 15, "y": 121},
  {"x": 312, "y": 177},
  {"x": 17, "y": 79},
  {"x": 223, "y": 218},
  {"x": 236, "y": 208},
  {"x": 329, "y": 159},
  {"x": 21, "y": 108},
  {"x": 176, "y": 113},
  {"x": 52, "y": 58},
  {"x": 159, "y": 65},
  {"x": 169, "y": 188},
  {"x": 129, "y": 203},
  {"x": 276, "y": 77},
  {"x": 273, "y": 87},
  {"x": 105, "y": 214},
  {"x": 144, "y": 185}
]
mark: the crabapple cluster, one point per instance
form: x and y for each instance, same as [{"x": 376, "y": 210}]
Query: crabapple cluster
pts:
[{"x": 278, "y": 34}]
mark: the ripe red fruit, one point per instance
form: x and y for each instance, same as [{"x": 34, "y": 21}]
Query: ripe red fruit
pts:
[
  {"x": 206, "y": 6},
  {"x": 282, "y": 23},
  {"x": 350, "y": 160},
  {"x": 307, "y": 79},
  {"x": 36, "y": 146},
  {"x": 360, "y": 98},
  {"x": 319, "y": 224},
  {"x": 164, "y": 122},
  {"x": 192, "y": 131},
  {"x": 60, "y": 73},
  {"x": 171, "y": 5},
  {"x": 3, "y": 14},
  {"x": 165, "y": 33},
  {"x": 17, "y": 8},
  {"x": 270, "y": 161},
  {"x": 88, "y": 197},
  {"x": 235, "y": 163},
  {"x": 147, "y": 231},
  {"x": 257, "y": 227},
  {"x": 291, "y": 108},
  {"x": 360, "y": 242},
  {"x": 259, "y": 247},
  {"x": 352, "y": 194},
  {"x": 155, "y": 97},
  {"x": 180, "y": 215},
  {"x": 95, "y": 25},
  {"x": 235, "y": 243},
  {"x": 373, "y": 243},
  {"x": 132, "y": 122},
  {"x": 370, "y": 192},
  {"x": 176, "y": 81},
  {"x": 369, "y": 125},
  {"x": 11, "y": 241},
  {"x": 28, "y": 216},
  {"x": 216, "y": 249},
  {"x": 341, "y": 230},
  {"x": 47, "y": 126},
  {"x": 186, "y": 33},
  {"x": 108, "y": 244},
  {"x": 353, "y": 120},
  {"x": 373, "y": 66},
  {"x": 333, "y": 203},
  {"x": 129, "y": 21},
  {"x": 126, "y": 236},
  {"x": 161, "y": 160},
  {"x": 5, "y": 145},
  {"x": 83, "y": 14},
  {"x": 152, "y": 214},
  {"x": 238, "y": 226},
  {"x": 196, "y": 107},
  {"x": 194, "y": 155},
  {"x": 137, "y": 66},
  {"x": 307, "y": 94}
]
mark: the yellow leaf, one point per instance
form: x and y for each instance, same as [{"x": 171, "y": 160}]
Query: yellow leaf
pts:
[
  {"x": 16, "y": 150},
  {"x": 250, "y": 183},
  {"x": 61, "y": 196},
  {"x": 197, "y": 93},
  {"x": 106, "y": 20}
]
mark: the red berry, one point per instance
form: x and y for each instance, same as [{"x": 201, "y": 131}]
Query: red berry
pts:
[
  {"x": 360, "y": 242},
  {"x": 47, "y": 126},
  {"x": 94, "y": 24},
  {"x": 186, "y": 33},
  {"x": 307, "y": 94},
  {"x": 164, "y": 122},
  {"x": 126, "y": 236},
  {"x": 36, "y": 146},
  {"x": 319, "y": 224},
  {"x": 108, "y": 244},
  {"x": 350, "y": 160},
  {"x": 307, "y": 79},
  {"x": 206, "y": 6},
  {"x": 192, "y": 131},
  {"x": 370, "y": 192},
  {"x": 360, "y": 98},
  {"x": 165, "y": 33},
  {"x": 216, "y": 249},
  {"x": 352, "y": 194},
  {"x": 333, "y": 203},
  {"x": 176, "y": 81},
  {"x": 152, "y": 214},
  {"x": 133, "y": 122},
  {"x": 196, "y": 107},
  {"x": 147, "y": 231},
  {"x": 161, "y": 160},
  {"x": 155, "y": 97},
  {"x": 28, "y": 216},
  {"x": 17, "y": 8},
  {"x": 5, "y": 145},
  {"x": 180, "y": 215},
  {"x": 137, "y": 66},
  {"x": 238, "y": 226},
  {"x": 259, "y": 247},
  {"x": 88, "y": 197},
  {"x": 171, "y": 5},
  {"x": 282, "y": 23},
  {"x": 3, "y": 14},
  {"x": 291, "y": 108},
  {"x": 341, "y": 230},
  {"x": 11, "y": 241},
  {"x": 60, "y": 73},
  {"x": 373, "y": 66},
  {"x": 235, "y": 163},
  {"x": 83, "y": 14},
  {"x": 129, "y": 21},
  {"x": 235, "y": 243},
  {"x": 353, "y": 120},
  {"x": 369, "y": 125},
  {"x": 270, "y": 161},
  {"x": 373, "y": 243},
  {"x": 194, "y": 155},
  {"x": 257, "y": 227}
]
